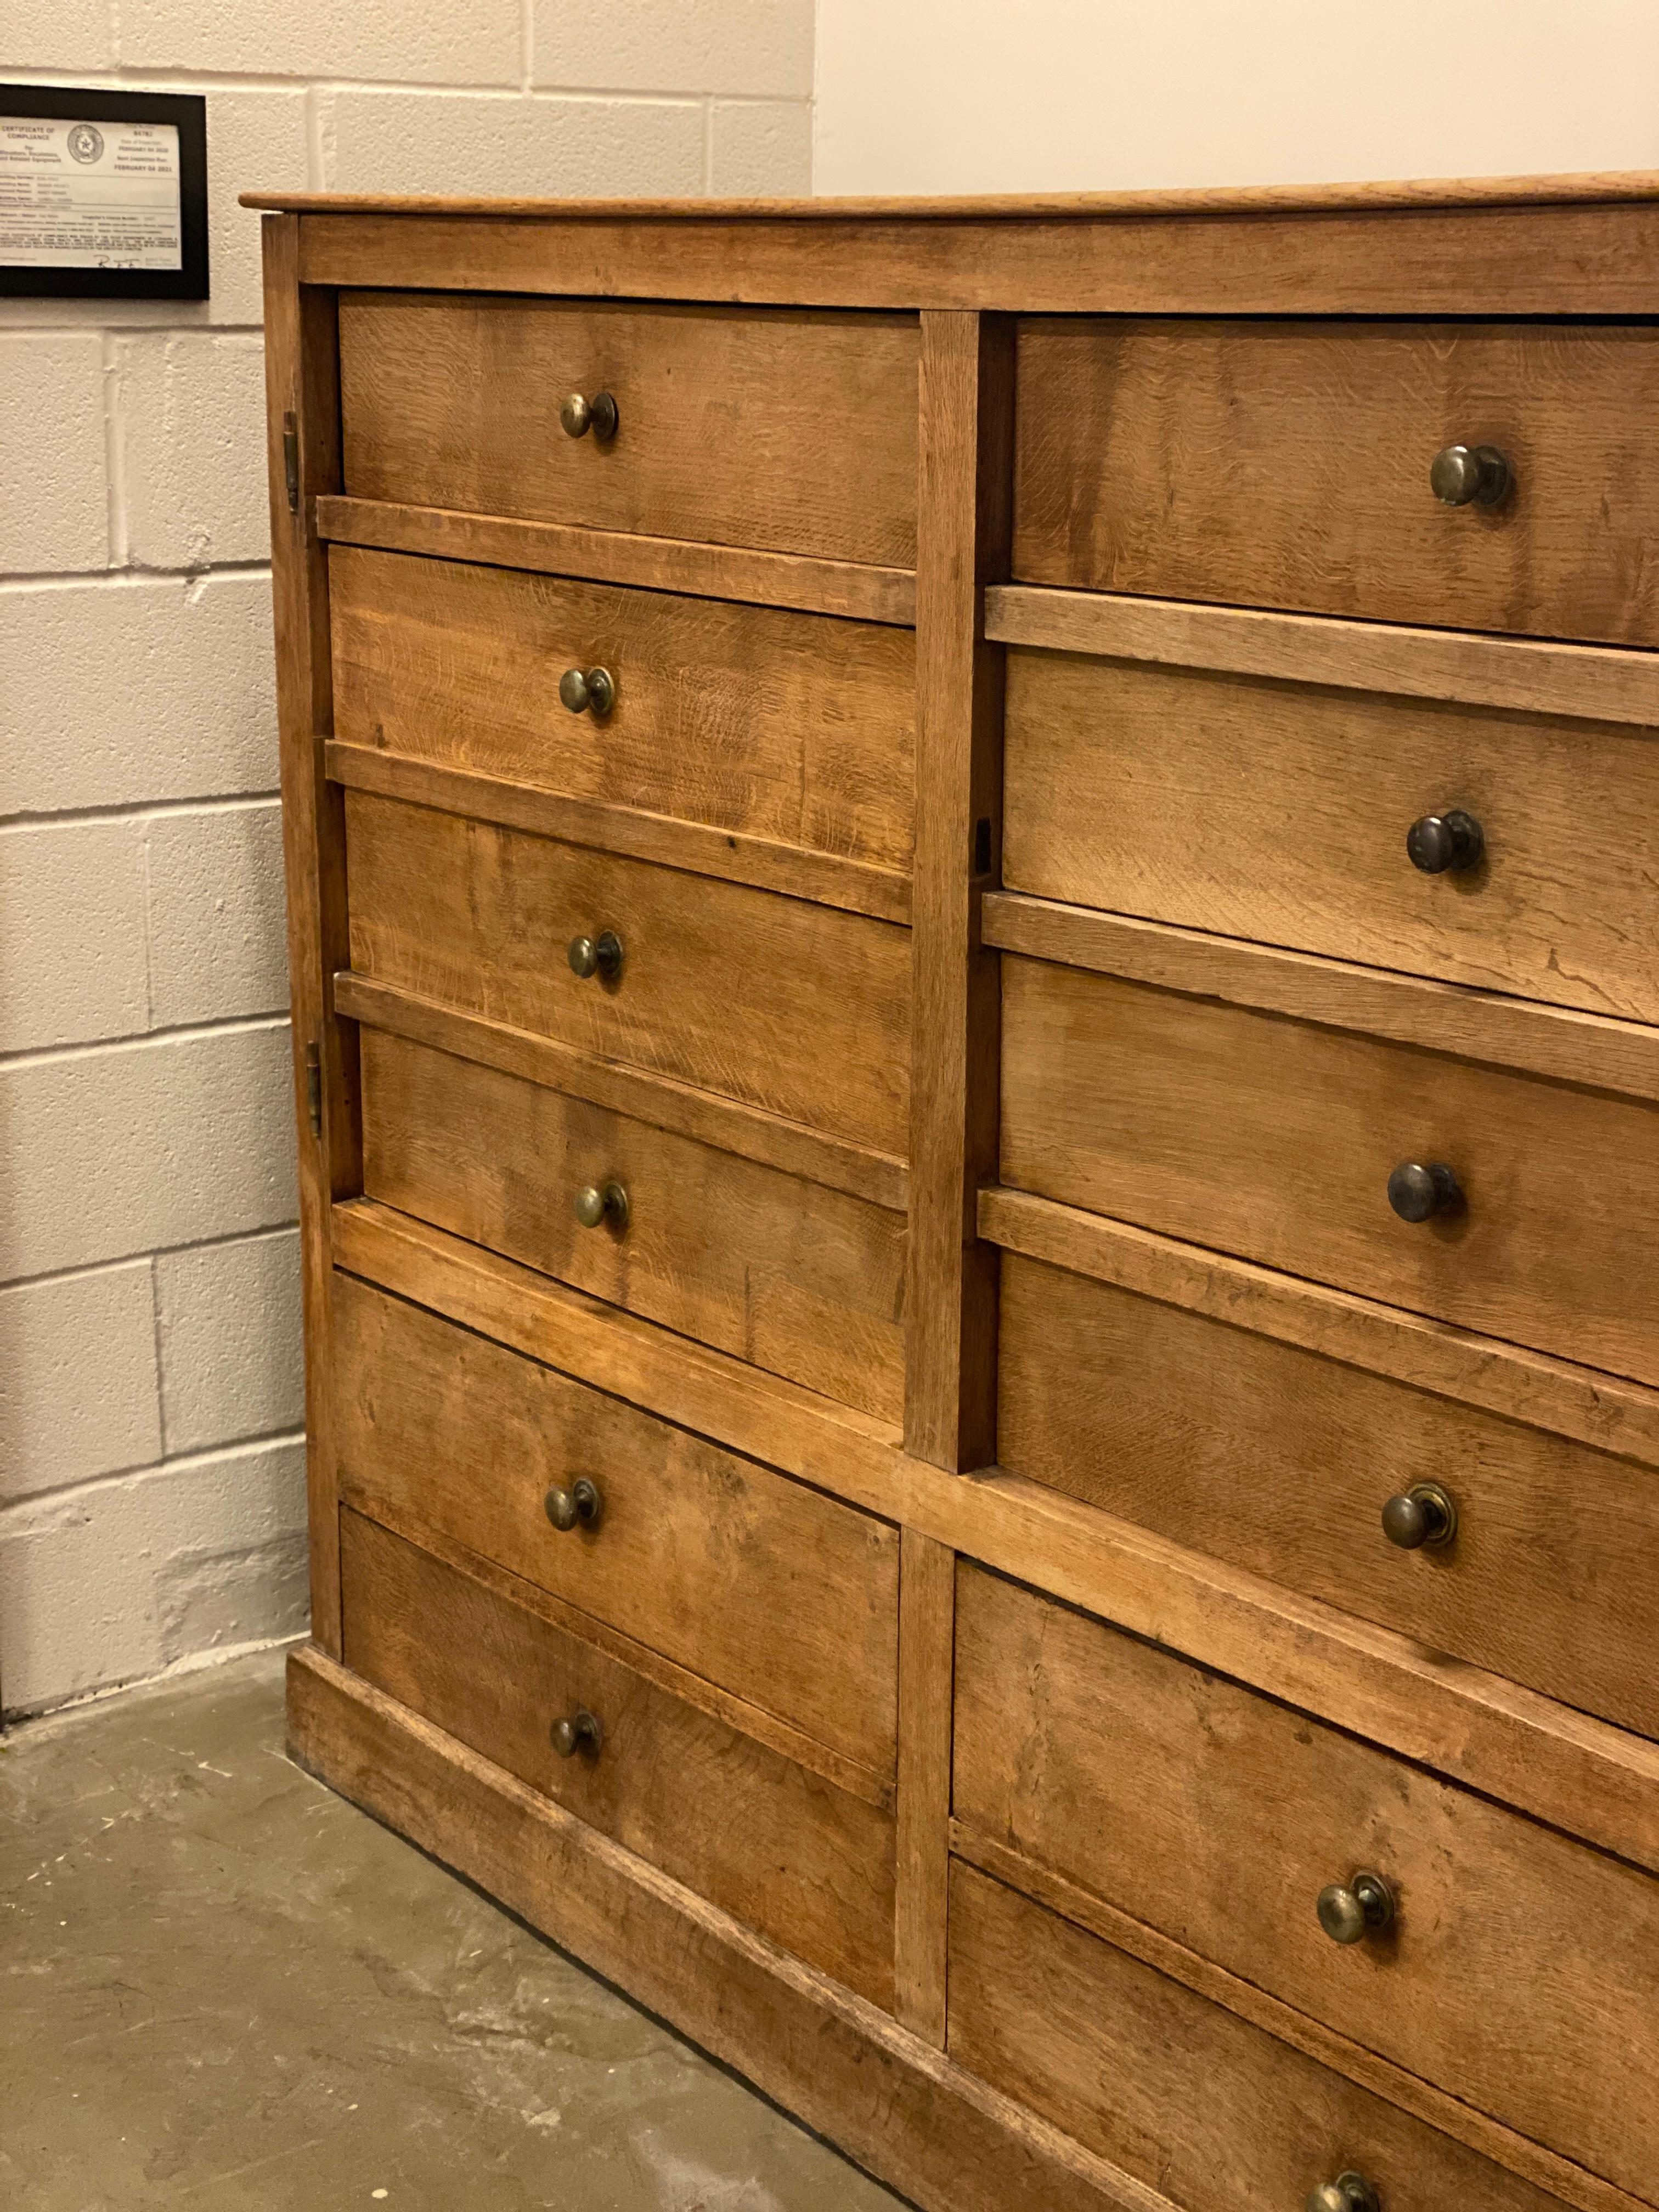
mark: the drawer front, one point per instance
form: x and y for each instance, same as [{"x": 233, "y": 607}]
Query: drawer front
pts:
[
  {"x": 1275, "y": 1139},
  {"x": 1278, "y": 811},
  {"x": 1286, "y": 464},
  {"x": 785, "y": 431},
  {"x": 787, "y": 726},
  {"x": 803, "y": 1281},
  {"x": 807, "y": 1865},
  {"x": 782, "y": 1596},
  {"x": 796, "y": 1008},
  {"x": 1211, "y": 2110},
  {"x": 1520, "y": 1968},
  {"x": 1282, "y": 1461}
]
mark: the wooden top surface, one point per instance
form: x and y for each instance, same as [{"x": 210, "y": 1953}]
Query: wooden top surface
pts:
[{"x": 1250, "y": 199}]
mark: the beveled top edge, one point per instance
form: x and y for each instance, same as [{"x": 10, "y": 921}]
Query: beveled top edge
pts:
[{"x": 1245, "y": 199}]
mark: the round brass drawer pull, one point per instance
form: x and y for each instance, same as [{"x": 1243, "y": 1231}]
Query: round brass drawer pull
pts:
[
  {"x": 580, "y": 1731},
  {"x": 1417, "y": 1193},
  {"x": 1349, "y": 2192},
  {"x": 1422, "y": 1518},
  {"x": 600, "y": 955},
  {"x": 1442, "y": 844},
  {"x": 602, "y": 1201},
  {"x": 1348, "y": 1911},
  {"x": 578, "y": 1507},
  {"x": 1470, "y": 475},
  {"x": 587, "y": 690},
  {"x": 579, "y": 416}
]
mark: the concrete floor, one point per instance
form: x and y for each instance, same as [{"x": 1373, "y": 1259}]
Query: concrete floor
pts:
[{"x": 225, "y": 1986}]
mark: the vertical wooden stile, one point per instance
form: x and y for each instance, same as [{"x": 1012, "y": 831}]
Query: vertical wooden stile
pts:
[
  {"x": 927, "y": 1668},
  {"x": 303, "y": 414},
  {"x": 965, "y": 528}
]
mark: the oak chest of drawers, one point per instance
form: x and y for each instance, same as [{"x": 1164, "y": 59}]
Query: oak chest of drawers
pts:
[{"x": 972, "y": 902}]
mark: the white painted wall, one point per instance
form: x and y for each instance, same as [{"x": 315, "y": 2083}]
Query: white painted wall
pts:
[
  {"x": 151, "y": 1486},
  {"x": 1073, "y": 95}
]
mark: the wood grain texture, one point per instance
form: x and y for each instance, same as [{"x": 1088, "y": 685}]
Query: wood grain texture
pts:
[
  {"x": 789, "y": 432},
  {"x": 927, "y": 1577},
  {"x": 1190, "y": 2097},
  {"x": 788, "y": 728},
  {"x": 797, "y": 1009},
  {"x": 799, "y": 1279},
  {"x": 805, "y": 1863},
  {"x": 1280, "y": 1461},
  {"x": 785, "y": 1597},
  {"x": 1115, "y": 490},
  {"x": 1598, "y": 1781},
  {"x": 852, "y": 588},
  {"x": 966, "y": 427},
  {"x": 901, "y": 2108},
  {"x": 1518, "y": 1971},
  {"x": 1278, "y": 812},
  {"x": 1274, "y": 1139}
]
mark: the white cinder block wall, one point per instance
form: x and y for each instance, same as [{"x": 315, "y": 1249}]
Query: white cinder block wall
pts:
[{"x": 151, "y": 1480}]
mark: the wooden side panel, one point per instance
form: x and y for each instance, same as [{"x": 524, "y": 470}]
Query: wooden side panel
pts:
[
  {"x": 1275, "y": 1139},
  {"x": 1519, "y": 1971},
  {"x": 1192, "y": 2100},
  {"x": 780, "y": 1849},
  {"x": 1323, "y": 500},
  {"x": 799, "y": 1009},
  {"x": 926, "y": 1658},
  {"x": 1280, "y": 1461},
  {"x": 799, "y": 1279},
  {"x": 783, "y": 1596},
  {"x": 788, "y": 727},
  {"x": 789, "y": 432}
]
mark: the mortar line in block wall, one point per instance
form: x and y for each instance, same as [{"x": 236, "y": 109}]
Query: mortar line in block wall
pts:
[
  {"x": 46, "y": 1502},
  {"x": 233, "y": 1025},
  {"x": 135, "y": 574},
  {"x": 208, "y": 81},
  {"x": 115, "y": 450},
  {"x": 137, "y": 810},
  {"x": 52, "y": 1276}
]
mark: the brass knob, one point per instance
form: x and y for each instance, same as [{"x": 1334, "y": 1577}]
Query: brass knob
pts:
[
  {"x": 581, "y": 1731},
  {"x": 1417, "y": 1193},
  {"x": 1348, "y": 1911},
  {"x": 1470, "y": 475},
  {"x": 579, "y": 415},
  {"x": 579, "y": 1506},
  {"x": 1349, "y": 2192},
  {"x": 600, "y": 955},
  {"x": 587, "y": 692},
  {"x": 602, "y": 1201},
  {"x": 1442, "y": 843},
  {"x": 1422, "y": 1518}
]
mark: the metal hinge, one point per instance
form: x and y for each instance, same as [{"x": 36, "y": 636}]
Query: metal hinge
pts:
[
  {"x": 291, "y": 461},
  {"x": 314, "y": 1089}
]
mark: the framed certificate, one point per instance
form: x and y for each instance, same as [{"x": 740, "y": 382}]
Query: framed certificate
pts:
[{"x": 103, "y": 195}]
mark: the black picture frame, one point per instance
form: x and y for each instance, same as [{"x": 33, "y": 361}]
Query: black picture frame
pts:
[{"x": 187, "y": 112}]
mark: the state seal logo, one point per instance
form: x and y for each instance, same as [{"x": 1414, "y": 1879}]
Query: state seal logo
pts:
[{"x": 86, "y": 143}]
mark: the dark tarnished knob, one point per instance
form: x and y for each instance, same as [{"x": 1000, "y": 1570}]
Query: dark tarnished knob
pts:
[
  {"x": 581, "y": 1731},
  {"x": 579, "y": 416},
  {"x": 1349, "y": 1912},
  {"x": 1424, "y": 1518},
  {"x": 1442, "y": 843},
  {"x": 602, "y": 1201},
  {"x": 577, "y": 1507},
  {"x": 600, "y": 955},
  {"x": 1349, "y": 2192},
  {"x": 1417, "y": 1193},
  {"x": 587, "y": 690},
  {"x": 1470, "y": 475}
]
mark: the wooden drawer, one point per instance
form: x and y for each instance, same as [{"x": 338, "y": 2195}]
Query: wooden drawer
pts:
[
  {"x": 1279, "y": 1461},
  {"x": 785, "y": 1598},
  {"x": 1208, "y": 2109},
  {"x": 1274, "y": 1139},
  {"x": 798, "y": 1278},
  {"x": 1519, "y": 1971},
  {"x": 1286, "y": 464},
  {"x": 1278, "y": 812},
  {"x": 787, "y": 726},
  {"x": 797, "y": 1008},
  {"x": 792, "y": 432},
  {"x": 805, "y": 1863}
]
